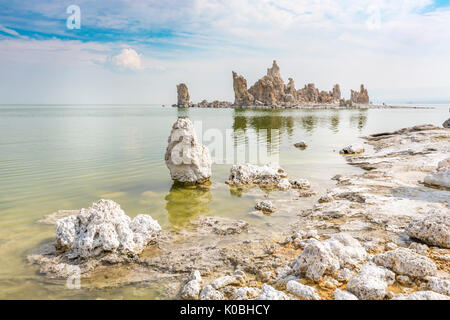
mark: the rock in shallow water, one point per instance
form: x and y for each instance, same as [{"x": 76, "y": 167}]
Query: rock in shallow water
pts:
[
  {"x": 353, "y": 149},
  {"x": 104, "y": 228},
  {"x": 433, "y": 229},
  {"x": 188, "y": 161},
  {"x": 265, "y": 206},
  {"x": 249, "y": 175}
]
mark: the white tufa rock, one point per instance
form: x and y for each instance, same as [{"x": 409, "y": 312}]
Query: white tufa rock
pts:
[
  {"x": 438, "y": 178},
  {"x": 407, "y": 262},
  {"x": 319, "y": 258},
  {"x": 265, "y": 206},
  {"x": 192, "y": 288},
  {"x": 439, "y": 285},
  {"x": 353, "y": 149},
  {"x": 371, "y": 282},
  {"x": 302, "y": 291},
  {"x": 249, "y": 174},
  {"x": 188, "y": 161},
  {"x": 102, "y": 229},
  {"x": 209, "y": 293},
  {"x": 284, "y": 184},
  {"x": 302, "y": 184},
  {"x": 421, "y": 295},
  {"x": 344, "y": 295},
  {"x": 301, "y": 145},
  {"x": 246, "y": 293},
  {"x": 269, "y": 293},
  {"x": 433, "y": 229}
]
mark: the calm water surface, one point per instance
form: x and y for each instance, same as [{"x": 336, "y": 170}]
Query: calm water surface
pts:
[{"x": 66, "y": 157}]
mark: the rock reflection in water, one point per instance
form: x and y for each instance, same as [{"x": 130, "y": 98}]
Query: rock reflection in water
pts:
[
  {"x": 187, "y": 202},
  {"x": 359, "y": 120}
]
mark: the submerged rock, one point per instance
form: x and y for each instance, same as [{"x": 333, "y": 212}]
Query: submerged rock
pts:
[
  {"x": 371, "y": 282},
  {"x": 352, "y": 149},
  {"x": 433, "y": 229},
  {"x": 104, "y": 228},
  {"x": 188, "y": 161},
  {"x": 251, "y": 175},
  {"x": 327, "y": 257},
  {"x": 407, "y": 262}
]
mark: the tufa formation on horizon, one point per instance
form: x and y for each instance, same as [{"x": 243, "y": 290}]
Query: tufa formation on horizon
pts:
[{"x": 271, "y": 90}]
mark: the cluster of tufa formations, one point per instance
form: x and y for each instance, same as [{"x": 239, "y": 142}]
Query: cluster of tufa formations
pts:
[{"x": 271, "y": 91}]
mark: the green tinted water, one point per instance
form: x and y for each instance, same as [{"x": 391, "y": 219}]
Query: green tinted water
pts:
[{"x": 66, "y": 157}]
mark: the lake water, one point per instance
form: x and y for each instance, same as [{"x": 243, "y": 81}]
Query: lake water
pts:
[{"x": 66, "y": 157}]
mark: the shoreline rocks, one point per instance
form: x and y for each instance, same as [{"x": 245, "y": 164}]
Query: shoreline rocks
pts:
[
  {"x": 188, "y": 161},
  {"x": 433, "y": 229}
]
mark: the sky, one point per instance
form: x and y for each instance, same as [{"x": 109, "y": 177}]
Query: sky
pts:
[{"x": 135, "y": 51}]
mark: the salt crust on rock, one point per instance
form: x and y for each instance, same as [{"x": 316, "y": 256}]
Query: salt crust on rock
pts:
[
  {"x": 104, "y": 228},
  {"x": 433, "y": 229},
  {"x": 301, "y": 290},
  {"x": 407, "y": 262},
  {"x": 270, "y": 293},
  {"x": 327, "y": 257},
  {"x": 421, "y": 295},
  {"x": 249, "y": 175},
  {"x": 371, "y": 282}
]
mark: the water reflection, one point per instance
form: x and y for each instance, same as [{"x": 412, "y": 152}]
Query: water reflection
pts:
[
  {"x": 359, "y": 120},
  {"x": 334, "y": 122},
  {"x": 308, "y": 123},
  {"x": 187, "y": 202}
]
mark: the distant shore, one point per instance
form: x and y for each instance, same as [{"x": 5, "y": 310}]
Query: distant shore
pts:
[{"x": 222, "y": 105}]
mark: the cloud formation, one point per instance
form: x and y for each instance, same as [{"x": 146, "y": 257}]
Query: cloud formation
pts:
[{"x": 128, "y": 59}]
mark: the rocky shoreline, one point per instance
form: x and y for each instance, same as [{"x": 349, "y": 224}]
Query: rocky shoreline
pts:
[{"x": 380, "y": 234}]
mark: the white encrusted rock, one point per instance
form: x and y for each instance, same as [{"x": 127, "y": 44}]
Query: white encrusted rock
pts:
[
  {"x": 188, "y": 161},
  {"x": 103, "y": 229},
  {"x": 225, "y": 281},
  {"x": 353, "y": 149},
  {"x": 246, "y": 293},
  {"x": 302, "y": 291},
  {"x": 302, "y": 184},
  {"x": 284, "y": 184},
  {"x": 407, "y": 262},
  {"x": 209, "y": 293},
  {"x": 371, "y": 282},
  {"x": 433, "y": 229},
  {"x": 265, "y": 206},
  {"x": 439, "y": 285},
  {"x": 344, "y": 295},
  {"x": 270, "y": 293},
  {"x": 319, "y": 258},
  {"x": 438, "y": 178},
  {"x": 249, "y": 175},
  {"x": 421, "y": 295},
  {"x": 192, "y": 288}
]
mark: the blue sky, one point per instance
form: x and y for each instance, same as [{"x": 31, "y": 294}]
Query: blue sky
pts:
[{"x": 137, "y": 51}]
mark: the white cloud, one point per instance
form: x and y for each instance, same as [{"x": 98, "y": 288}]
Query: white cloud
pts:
[{"x": 128, "y": 59}]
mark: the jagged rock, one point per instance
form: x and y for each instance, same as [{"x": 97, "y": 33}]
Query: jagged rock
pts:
[
  {"x": 309, "y": 93},
  {"x": 433, "y": 229},
  {"x": 241, "y": 95},
  {"x": 249, "y": 175},
  {"x": 352, "y": 149},
  {"x": 270, "y": 293},
  {"x": 104, "y": 228},
  {"x": 246, "y": 293},
  {"x": 302, "y": 291},
  {"x": 327, "y": 257},
  {"x": 344, "y": 295},
  {"x": 301, "y": 145},
  {"x": 270, "y": 89},
  {"x": 265, "y": 206},
  {"x": 192, "y": 288},
  {"x": 290, "y": 89},
  {"x": 407, "y": 262},
  {"x": 419, "y": 248},
  {"x": 439, "y": 285},
  {"x": 421, "y": 295},
  {"x": 188, "y": 161},
  {"x": 336, "y": 93},
  {"x": 371, "y": 282},
  {"x": 361, "y": 97},
  {"x": 226, "y": 281},
  {"x": 183, "y": 95},
  {"x": 446, "y": 124},
  {"x": 209, "y": 293}
]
